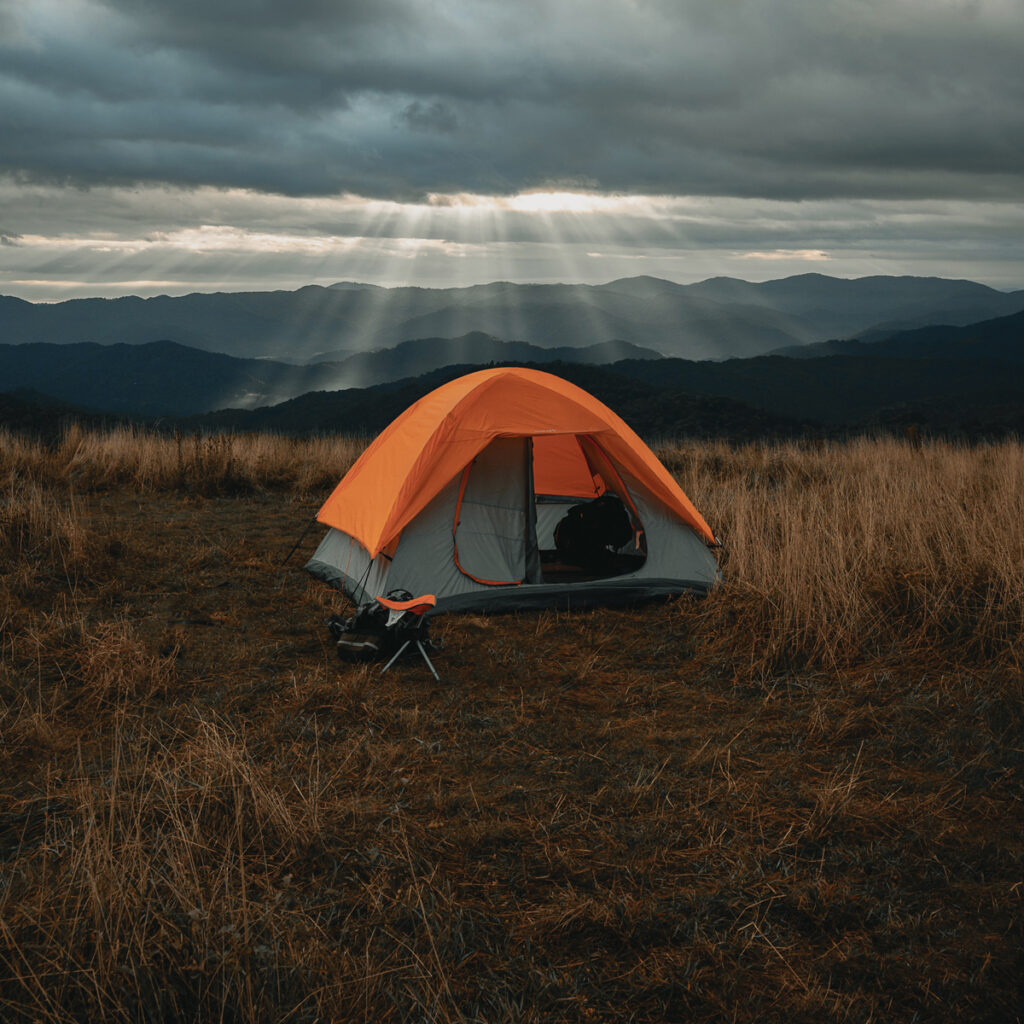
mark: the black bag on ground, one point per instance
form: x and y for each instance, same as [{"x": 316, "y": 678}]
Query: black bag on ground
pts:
[
  {"x": 588, "y": 533},
  {"x": 366, "y": 636}
]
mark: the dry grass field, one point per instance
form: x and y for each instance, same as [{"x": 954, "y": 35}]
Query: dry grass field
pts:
[{"x": 797, "y": 800}]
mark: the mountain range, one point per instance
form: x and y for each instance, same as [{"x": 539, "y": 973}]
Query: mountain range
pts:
[
  {"x": 719, "y": 318},
  {"x": 999, "y": 339},
  {"x": 963, "y": 379}
]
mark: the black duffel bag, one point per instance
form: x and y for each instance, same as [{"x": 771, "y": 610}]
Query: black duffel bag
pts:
[{"x": 590, "y": 532}]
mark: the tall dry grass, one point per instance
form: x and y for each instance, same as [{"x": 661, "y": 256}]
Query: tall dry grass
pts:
[
  {"x": 840, "y": 552},
  {"x": 39, "y": 528},
  {"x": 91, "y": 460}
]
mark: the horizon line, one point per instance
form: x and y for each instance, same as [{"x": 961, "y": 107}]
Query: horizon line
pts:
[{"x": 348, "y": 282}]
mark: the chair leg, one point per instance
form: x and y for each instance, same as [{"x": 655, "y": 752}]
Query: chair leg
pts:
[
  {"x": 430, "y": 664},
  {"x": 394, "y": 657},
  {"x": 422, "y": 651}
]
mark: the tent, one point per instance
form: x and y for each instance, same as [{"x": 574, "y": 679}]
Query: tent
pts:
[{"x": 460, "y": 497}]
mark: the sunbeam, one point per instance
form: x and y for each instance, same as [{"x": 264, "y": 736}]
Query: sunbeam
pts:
[{"x": 161, "y": 240}]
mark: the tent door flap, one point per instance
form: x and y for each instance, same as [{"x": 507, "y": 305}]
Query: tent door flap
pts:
[{"x": 492, "y": 529}]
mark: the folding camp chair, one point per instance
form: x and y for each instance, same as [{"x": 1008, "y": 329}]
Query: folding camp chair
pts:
[{"x": 407, "y": 619}]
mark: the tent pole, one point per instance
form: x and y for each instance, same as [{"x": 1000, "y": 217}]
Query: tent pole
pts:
[{"x": 534, "y": 573}]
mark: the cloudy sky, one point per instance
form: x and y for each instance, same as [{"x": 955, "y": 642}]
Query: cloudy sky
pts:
[{"x": 167, "y": 146}]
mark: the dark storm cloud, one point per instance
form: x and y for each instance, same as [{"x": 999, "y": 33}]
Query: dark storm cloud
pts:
[
  {"x": 397, "y": 98},
  {"x": 430, "y": 117}
]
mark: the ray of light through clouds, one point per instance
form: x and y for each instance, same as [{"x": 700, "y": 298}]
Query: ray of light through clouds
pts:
[{"x": 166, "y": 146}]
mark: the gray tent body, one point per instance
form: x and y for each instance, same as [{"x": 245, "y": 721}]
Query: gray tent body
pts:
[{"x": 483, "y": 552}]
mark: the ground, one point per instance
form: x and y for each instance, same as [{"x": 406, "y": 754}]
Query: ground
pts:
[{"x": 599, "y": 816}]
